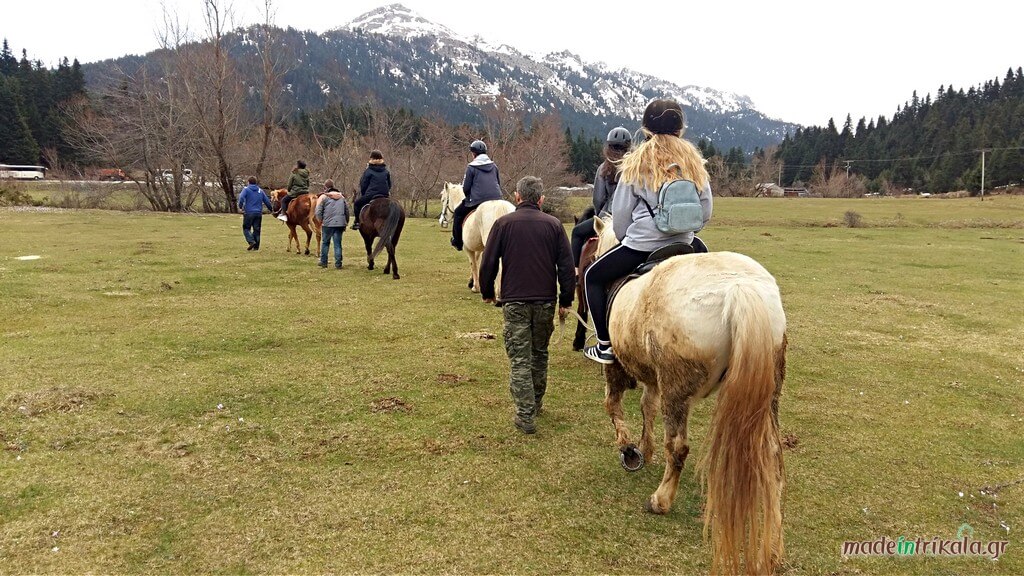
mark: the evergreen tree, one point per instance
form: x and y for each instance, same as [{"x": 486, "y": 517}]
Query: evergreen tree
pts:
[{"x": 16, "y": 143}]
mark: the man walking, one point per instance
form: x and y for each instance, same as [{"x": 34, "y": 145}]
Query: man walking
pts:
[
  {"x": 534, "y": 254},
  {"x": 251, "y": 202}
]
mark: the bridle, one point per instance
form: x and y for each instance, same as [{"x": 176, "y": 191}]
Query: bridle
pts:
[{"x": 446, "y": 208}]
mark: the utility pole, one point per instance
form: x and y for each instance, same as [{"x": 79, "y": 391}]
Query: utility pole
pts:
[
  {"x": 847, "y": 167},
  {"x": 983, "y": 150},
  {"x": 780, "y": 175}
]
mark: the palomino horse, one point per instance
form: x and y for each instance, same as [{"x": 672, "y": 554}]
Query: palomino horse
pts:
[
  {"x": 695, "y": 324},
  {"x": 384, "y": 218},
  {"x": 475, "y": 228},
  {"x": 301, "y": 213}
]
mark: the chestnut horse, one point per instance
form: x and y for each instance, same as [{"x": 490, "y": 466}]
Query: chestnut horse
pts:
[
  {"x": 301, "y": 213},
  {"x": 383, "y": 218},
  {"x": 695, "y": 324},
  {"x": 475, "y": 228}
]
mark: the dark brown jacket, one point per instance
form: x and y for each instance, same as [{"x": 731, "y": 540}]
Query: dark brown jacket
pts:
[{"x": 534, "y": 253}]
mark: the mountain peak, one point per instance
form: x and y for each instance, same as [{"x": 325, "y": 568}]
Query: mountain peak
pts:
[{"x": 396, "y": 20}]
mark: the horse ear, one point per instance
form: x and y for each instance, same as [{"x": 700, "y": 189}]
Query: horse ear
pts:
[{"x": 598, "y": 225}]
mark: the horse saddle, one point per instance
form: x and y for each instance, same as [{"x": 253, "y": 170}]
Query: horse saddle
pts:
[{"x": 655, "y": 258}]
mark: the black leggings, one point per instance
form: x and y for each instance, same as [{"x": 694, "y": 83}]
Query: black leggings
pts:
[
  {"x": 581, "y": 232},
  {"x": 284, "y": 205},
  {"x": 458, "y": 216},
  {"x": 363, "y": 201},
  {"x": 614, "y": 264}
]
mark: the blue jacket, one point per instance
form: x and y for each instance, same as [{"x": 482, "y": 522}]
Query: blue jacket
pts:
[
  {"x": 482, "y": 182},
  {"x": 253, "y": 199}
]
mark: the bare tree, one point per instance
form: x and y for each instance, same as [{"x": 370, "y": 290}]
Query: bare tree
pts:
[
  {"x": 423, "y": 164},
  {"x": 141, "y": 123},
  {"x": 274, "y": 65},
  {"x": 215, "y": 91}
]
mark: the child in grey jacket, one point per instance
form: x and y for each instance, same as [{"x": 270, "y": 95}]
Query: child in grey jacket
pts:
[{"x": 332, "y": 210}]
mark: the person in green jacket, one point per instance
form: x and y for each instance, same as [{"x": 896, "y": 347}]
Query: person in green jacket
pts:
[{"x": 298, "y": 184}]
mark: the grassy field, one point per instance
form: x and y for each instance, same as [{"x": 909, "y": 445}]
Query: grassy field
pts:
[{"x": 170, "y": 403}]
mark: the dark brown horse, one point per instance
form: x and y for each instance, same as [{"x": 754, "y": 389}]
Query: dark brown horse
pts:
[
  {"x": 383, "y": 218},
  {"x": 587, "y": 256},
  {"x": 301, "y": 213}
]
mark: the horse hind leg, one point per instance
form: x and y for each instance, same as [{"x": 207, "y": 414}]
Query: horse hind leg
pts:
[
  {"x": 392, "y": 263},
  {"x": 678, "y": 385},
  {"x": 369, "y": 251},
  {"x": 309, "y": 235}
]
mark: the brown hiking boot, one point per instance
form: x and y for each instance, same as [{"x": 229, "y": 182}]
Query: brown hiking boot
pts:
[{"x": 526, "y": 427}]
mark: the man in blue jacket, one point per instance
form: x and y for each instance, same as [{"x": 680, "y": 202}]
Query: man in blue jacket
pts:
[
  {"x": 481, "y": 184},
  {"x": 251, "y": 202}
]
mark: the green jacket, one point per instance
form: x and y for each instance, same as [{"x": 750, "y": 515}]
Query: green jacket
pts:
[{"x": 298, "y": 183}]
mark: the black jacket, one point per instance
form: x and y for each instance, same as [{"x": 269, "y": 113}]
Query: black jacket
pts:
[
  {"x": 534, "y": 253},
  {"x": 376, "y": 181}
]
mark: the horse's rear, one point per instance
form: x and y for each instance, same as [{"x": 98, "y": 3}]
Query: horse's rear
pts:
[
  {"x": 382, "y": 218},
  {"x": 695, "y": 324},
  {"x": 475, "y": 230}
]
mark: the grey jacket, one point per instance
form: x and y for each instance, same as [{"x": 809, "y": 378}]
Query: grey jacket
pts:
[
  {"x": 633, "y": 224},
  {"x": 333, "y": 213},
  {"x": 602, "y": 193}
]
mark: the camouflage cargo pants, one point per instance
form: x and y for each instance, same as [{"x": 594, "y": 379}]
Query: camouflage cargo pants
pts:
[{"x": 528, "y": 329}]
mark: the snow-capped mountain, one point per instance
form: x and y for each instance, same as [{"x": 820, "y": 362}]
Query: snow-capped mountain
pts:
[
  {"x": 397, "y": 58},
  {"x": 558, "y": 81}
]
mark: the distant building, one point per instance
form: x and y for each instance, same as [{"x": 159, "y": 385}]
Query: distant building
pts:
[
  {"x": 768, "y": 190},
  {"x": 796, "y": 192}
]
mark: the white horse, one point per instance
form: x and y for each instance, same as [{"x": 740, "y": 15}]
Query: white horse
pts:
[
  {"x": 475, "y": 228},
  {"x": 695, "y": 324}
]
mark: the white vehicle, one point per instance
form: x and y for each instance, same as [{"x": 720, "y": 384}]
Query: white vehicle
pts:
[
  {"x": 22, "y": 172},
  {"x": 186, "y": 175}
]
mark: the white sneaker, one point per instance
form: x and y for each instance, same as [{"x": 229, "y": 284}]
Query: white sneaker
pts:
[{"x": 282, "y": 218}]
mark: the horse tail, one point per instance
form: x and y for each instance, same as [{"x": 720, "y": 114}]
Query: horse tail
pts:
[
  {"x": 743, "y": 467},
  {"x": 387, "y": 232}
]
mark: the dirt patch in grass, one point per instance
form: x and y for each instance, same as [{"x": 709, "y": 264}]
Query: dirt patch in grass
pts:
[
  {"x": 55, "y": 399},
  {"x": 789, "y": 441},
  {"x": 476, "y": 335},
  {"x": 389, "y": 405},
  {"x": 453, "y": 379}
]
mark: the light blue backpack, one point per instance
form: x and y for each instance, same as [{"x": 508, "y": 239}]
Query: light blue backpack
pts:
[{"x": 679, "y": 210}]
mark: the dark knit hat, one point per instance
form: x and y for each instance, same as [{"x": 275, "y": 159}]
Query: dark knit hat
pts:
[{"x": 664, "y": 116}]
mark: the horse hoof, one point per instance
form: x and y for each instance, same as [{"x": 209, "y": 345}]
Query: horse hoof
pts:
[
  {"x": 307, "y": 252},
  {"x": 396, "y": 277},
  {"x": 651, "y": 507},
  {"x": 470, "y": 285},
  {"x": 631, "y": 458}
]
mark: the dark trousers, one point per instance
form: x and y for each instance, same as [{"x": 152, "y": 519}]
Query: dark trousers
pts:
[
  {"x": 363, "y": 201},
  {"x": 284, "y": 205},
  {"x": 528, "y": 329},
  {"x": 581, "y": 232},
  {"x": 329, "y": 233},
  {"x": 458, "y": 217},
  {"x": 614, "y": 264},
  {"x": 252, "y": 222}
]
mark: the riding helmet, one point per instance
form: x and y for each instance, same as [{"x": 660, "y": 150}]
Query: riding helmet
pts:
[
  {"x": 619, "y": 137},
  {"x": 478, "y": 147},
  {"x": 664, "y": 116}
]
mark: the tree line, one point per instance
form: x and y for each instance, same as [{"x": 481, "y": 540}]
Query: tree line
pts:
[
  {"x": 32, "y": 103},
  {"x": 188, "y": 106},
  {"x": 931, "y": 144}
]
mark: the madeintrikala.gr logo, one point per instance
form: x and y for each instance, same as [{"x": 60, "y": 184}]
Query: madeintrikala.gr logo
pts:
[{"x": 963, "y": 546}]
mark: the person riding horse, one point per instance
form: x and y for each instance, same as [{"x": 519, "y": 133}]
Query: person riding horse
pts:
[
  {"x": 643, "y": 171},
  {"x": 616, "y": 145},
  {"x": 298, "y": 184},
  {"x": 375, "y": 183},
  {"x": 481, "y": 183}
]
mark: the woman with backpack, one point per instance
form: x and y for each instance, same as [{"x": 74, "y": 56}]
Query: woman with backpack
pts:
[
  {"x": 616, "y": 144},
  {"x": 662, "y": 158}
]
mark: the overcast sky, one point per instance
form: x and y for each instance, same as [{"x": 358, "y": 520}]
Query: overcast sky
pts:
[{"x": 799, "y": 61}]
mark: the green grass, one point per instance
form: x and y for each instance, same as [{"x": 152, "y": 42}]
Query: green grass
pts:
[{"x": 121, "y": 341}]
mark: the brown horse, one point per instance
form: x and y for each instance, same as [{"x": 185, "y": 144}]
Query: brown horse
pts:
[
  {"x": 301, "y": 213},
  {"x": 383, "y": 218}
]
